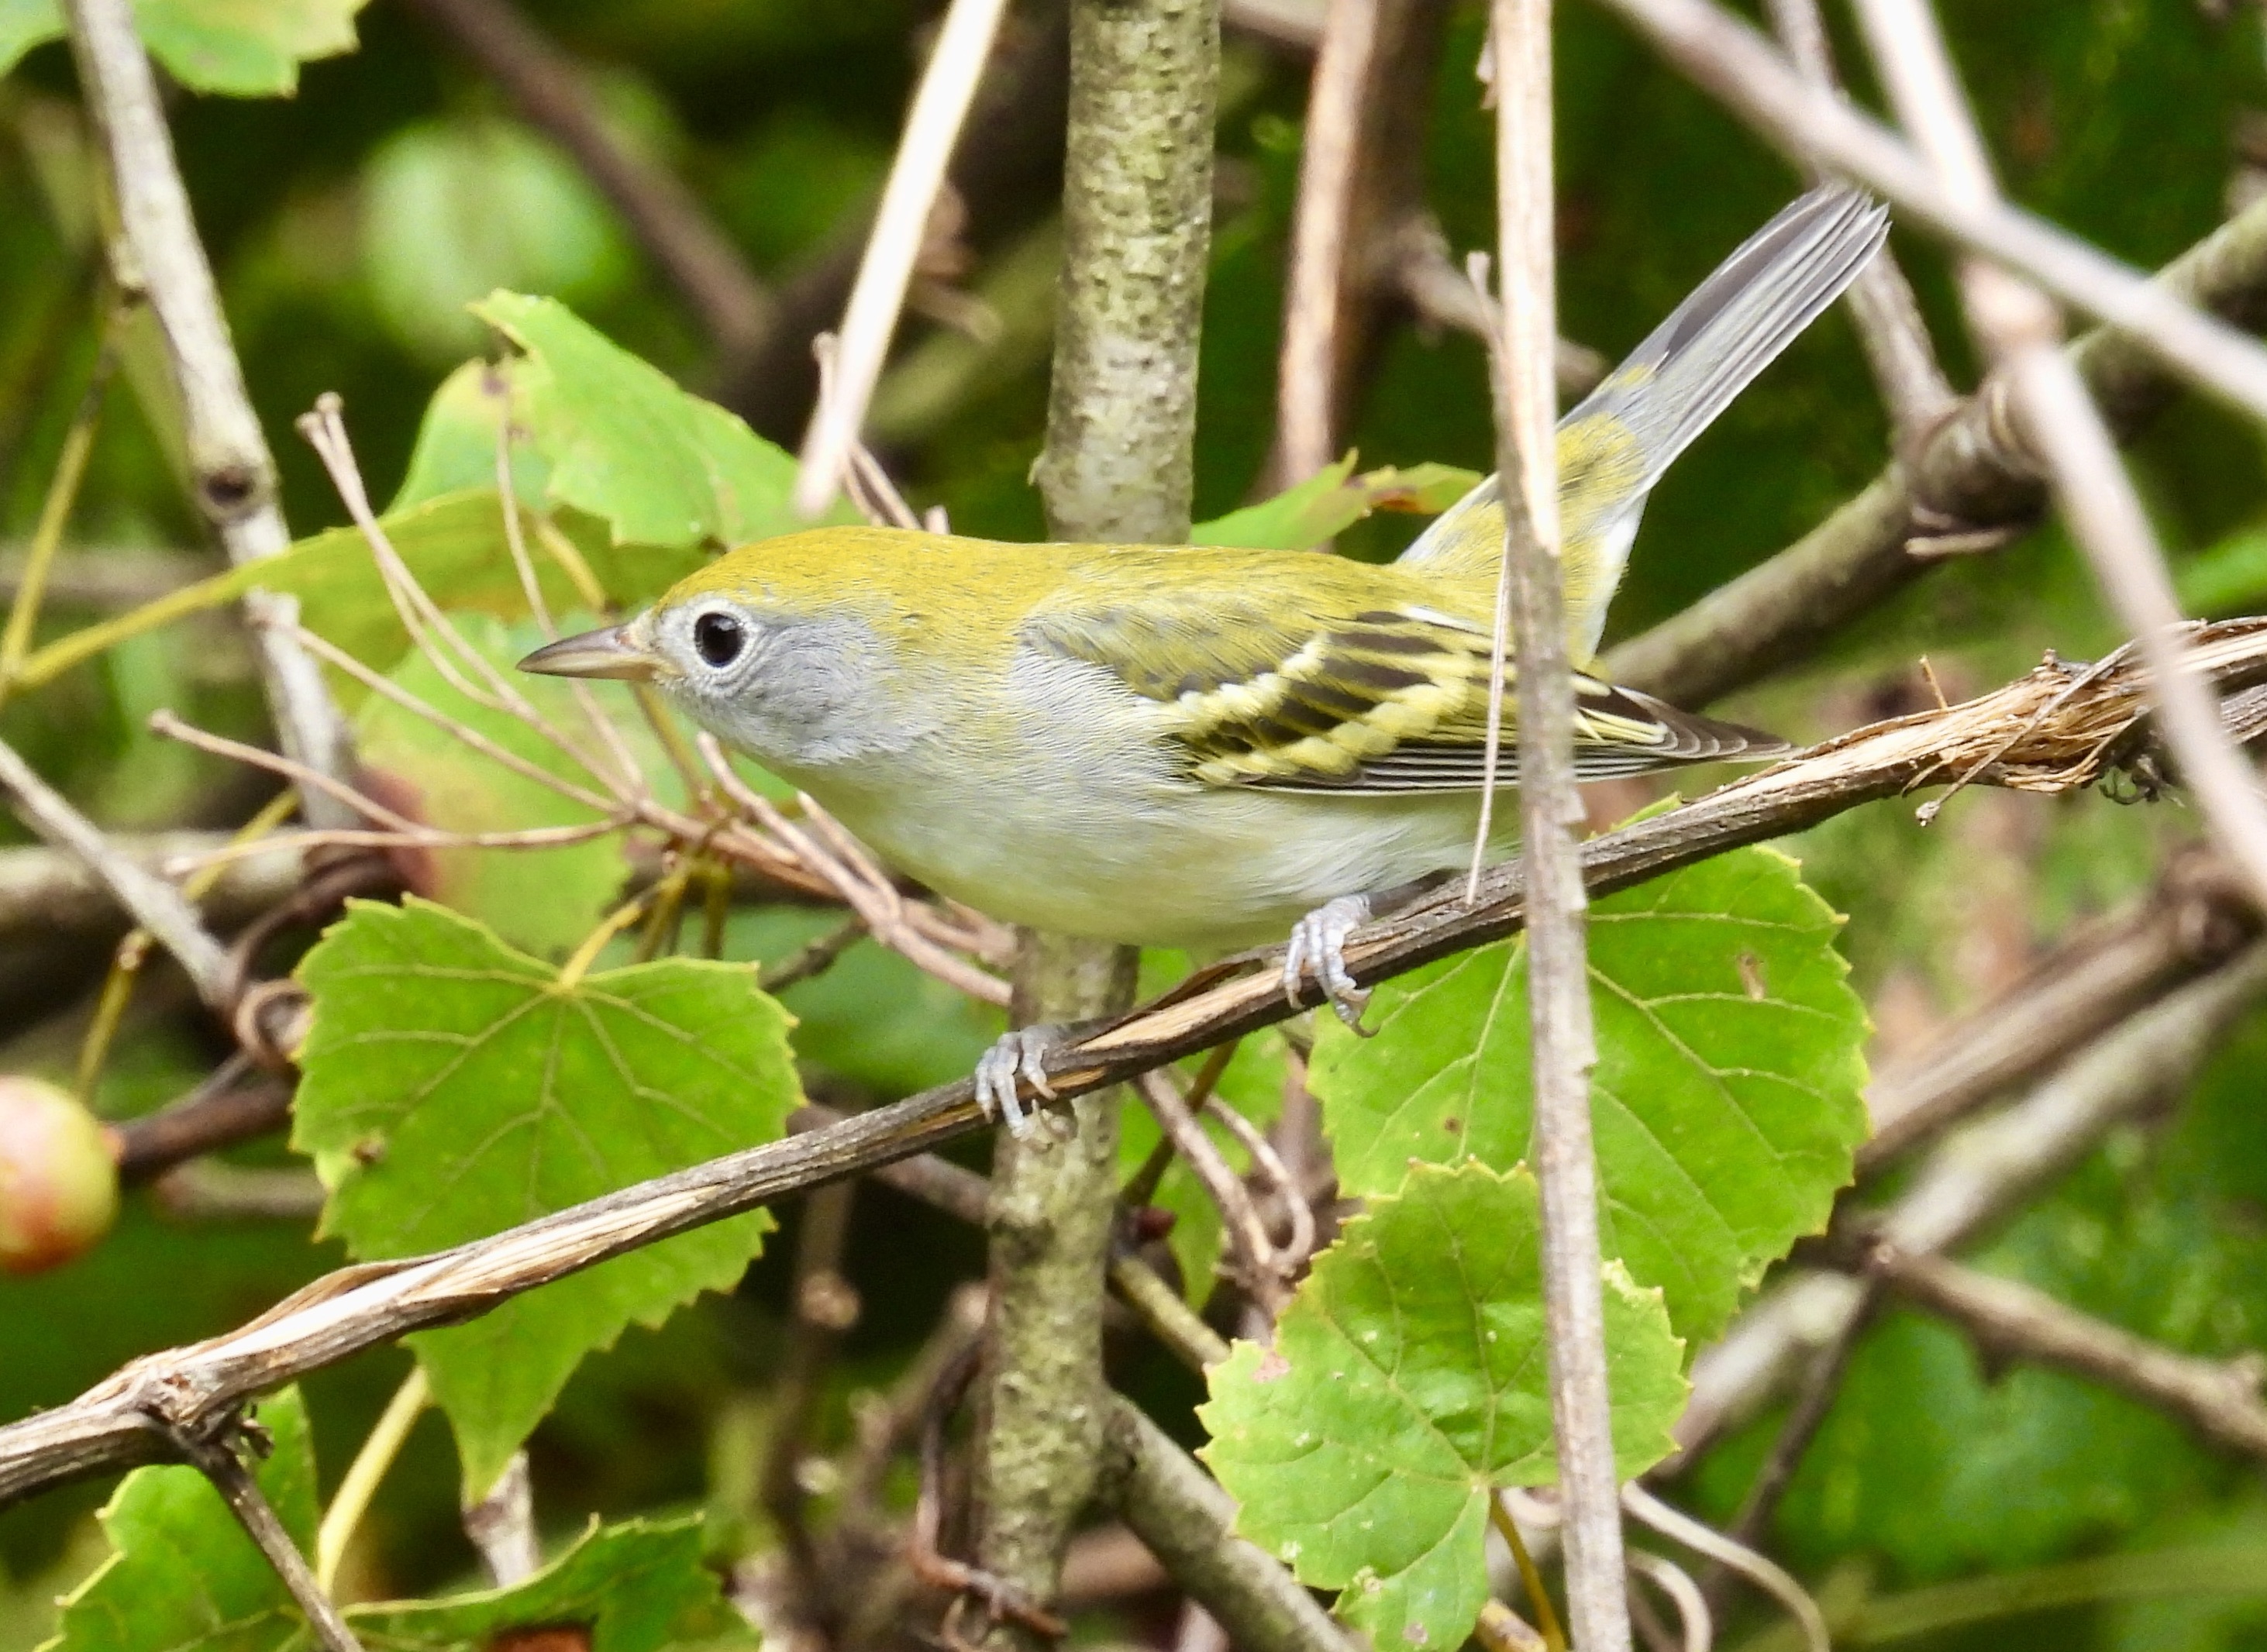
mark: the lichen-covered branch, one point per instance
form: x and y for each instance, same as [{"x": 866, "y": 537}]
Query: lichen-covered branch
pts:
[{"x": 156, "y": 257}]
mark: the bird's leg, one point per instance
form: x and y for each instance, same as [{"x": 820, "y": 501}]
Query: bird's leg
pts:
[
  {"x": 1018, "y": 1055},
  {"x": 1021, "y": 1054},
  {"x": 1317, "y": 948}
]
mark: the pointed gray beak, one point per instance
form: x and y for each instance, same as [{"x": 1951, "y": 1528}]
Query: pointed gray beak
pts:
[{"x": 603, "y": 653}]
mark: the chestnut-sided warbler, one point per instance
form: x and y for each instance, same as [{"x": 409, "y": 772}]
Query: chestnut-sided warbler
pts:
[{"x": 1206, "y": 747}]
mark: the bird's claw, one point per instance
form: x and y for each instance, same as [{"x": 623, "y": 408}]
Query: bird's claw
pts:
[
  {"x": 1019, "y": 1055},
  {"x": 1317, "y": 949}
]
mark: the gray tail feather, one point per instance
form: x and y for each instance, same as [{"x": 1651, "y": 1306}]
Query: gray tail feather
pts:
[{"x": 1738, "y": 321}]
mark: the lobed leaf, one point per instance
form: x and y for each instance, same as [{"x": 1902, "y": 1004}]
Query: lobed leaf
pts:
[
  {"x": 1727, "y": 1100},
  {"x": 1331, "y": 501},
  {"x": 1409, "y": 1380},
  {"x": 636, "y": 1587},
  {"x": 452, "y": 1086},
  {"x": 625, "y": 445},
  {"x": 181, "y": 1572},
  {"x": 247, "y": 48}
]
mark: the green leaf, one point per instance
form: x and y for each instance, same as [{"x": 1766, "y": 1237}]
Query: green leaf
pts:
[
  {"x": 452, "y": 1086},
  {"x": 1727, "y": 1097},
  {"x": 247, "y": 48},
  {"x": 1328, "y": 503},
  {"x": 1409, "y": 1380},
  {"x": 454, "y": 208},
  {"x": 457, "y": 440},
  {"x": 629, "y": 446},
  {"x": 455, "y": 545},
  {"x": 542, "y": 900},
  {"x": 636, "y": 1587},
  {"x": 182, "y": 1573}
]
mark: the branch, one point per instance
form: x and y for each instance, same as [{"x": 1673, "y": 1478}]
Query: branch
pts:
[
  {"x": 2008, "y": 1319},
  {"x": 1188, "y": 1522},
  {"x": 1360, "y": 173},
  {"x": 1970, "y": 478},
  {"x": 947, "y": 87},
  {"x": 1973, "y": 1180},
  {"x": 2016, "y": 322},
  {"x": 1529, "y": 593},
  {"x": 156, "y": 254},
  {"x": 1889, "y": 327},
  {"x": 51, "y": 895},
  {"x": 666, "y": 220},
  {"x": 1006, "y": 171},
  {"x": 156, "y": 905},
  {"x": 217, "y": 1458},
  {"x": 1727, "y": 56},
  {"x": 2192, "y": 921},
  {"x": 2050, "y": 731}
]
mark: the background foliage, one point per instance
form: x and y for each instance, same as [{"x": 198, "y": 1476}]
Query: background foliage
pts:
[{"x": 389, "y": 218}]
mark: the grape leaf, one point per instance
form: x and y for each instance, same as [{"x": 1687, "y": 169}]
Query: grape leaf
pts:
[
  {"x": 456, "y": 443},
  {"x": 1727, "y": 1097},
  {"x": 636, "y": 1587},
  {"x": 452, "y": 1086},
  {"x": 454, "y": 543},
  {"x": 1331, "y": 501},
  {"x": 182, "y": 1573},
  {"x": 1408, "y": 1380},
  {"x": 626, "y": 445},
  {"x": 247, "y": 48},
  {"x": 543, "y": 900}
]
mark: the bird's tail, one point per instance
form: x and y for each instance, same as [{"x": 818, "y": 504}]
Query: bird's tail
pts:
[{"x": 1615, "y": 445}]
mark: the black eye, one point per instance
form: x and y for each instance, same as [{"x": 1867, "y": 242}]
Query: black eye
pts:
[{"x": 719, "y": 638}]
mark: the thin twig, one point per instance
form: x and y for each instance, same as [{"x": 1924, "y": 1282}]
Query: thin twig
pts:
[
  {"x": 1269, "y": 1166},
  {"x": 154, "y": 904},
  {"x": 124, "y": 1419},
  {"x": 249, "y": 1504},
  {"x": 1766, "y": 1574},
  {"x": 2089, "y": 481},
  {"x": 1166, "y": 1314},
  {"x": 1530, "y": 1577},
  {"x": 1699, "y": 1624},
  {"x": 1890, "y": 325},
  {"x": 2008, "y": 1319},
  {"x": 948, "y": 87},
  {"x": 1306, "y": 387},
  {"x": 159, "y": 256},
  {"x": 1258, "y": 1264},
  {"x": 1559, "y": 991},
  {"x": 826, "y": 1306},
  {"x": 61, "y": 496},
  {"x": 1822, "y": 1384},
  {"x": 1728, "y": 57}
]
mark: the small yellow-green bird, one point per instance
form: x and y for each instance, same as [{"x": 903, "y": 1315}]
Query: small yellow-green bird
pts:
[{"x": 1204, "y": 748}]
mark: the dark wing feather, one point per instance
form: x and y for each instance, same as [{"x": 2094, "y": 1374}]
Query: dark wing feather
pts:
[{"x": 1390, "y": 699}]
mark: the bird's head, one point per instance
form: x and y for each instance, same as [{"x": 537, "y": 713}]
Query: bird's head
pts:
[{"x": 768, "y": 649}]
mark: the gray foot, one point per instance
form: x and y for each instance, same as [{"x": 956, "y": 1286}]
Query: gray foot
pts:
[
  {"x": 1317, "y": 949},
  {"x": 1017, "y": 1055}
]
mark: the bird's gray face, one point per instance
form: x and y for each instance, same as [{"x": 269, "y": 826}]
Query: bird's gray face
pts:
[{"x": 798, "y": 693}]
